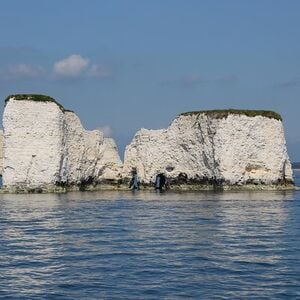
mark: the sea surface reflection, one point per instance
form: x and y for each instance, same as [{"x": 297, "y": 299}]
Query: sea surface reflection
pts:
[{"x": 144, "y": 245}]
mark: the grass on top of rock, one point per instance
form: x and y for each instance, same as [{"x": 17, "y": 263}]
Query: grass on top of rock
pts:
[
  {"x": 33, "y": 97},
  {"x": 69, "y": 110},
  {"x": 224, "y": 113}
]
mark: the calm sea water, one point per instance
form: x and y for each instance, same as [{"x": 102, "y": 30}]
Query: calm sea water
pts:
[{"x": 111, "y": 245}]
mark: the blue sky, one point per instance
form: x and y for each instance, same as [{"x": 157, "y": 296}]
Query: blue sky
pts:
[{"x": 122, "y": 65}]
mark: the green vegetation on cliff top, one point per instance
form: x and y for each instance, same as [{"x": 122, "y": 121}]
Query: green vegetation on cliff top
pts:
[
  {"x": 224, "y": 113},
  {"x": 216, "y": 113},
  {"x": 34, "y": 97}
]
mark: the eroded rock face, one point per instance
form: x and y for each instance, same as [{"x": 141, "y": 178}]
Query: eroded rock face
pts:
[
  {"x": 88, "y": 155},
  {"x": 46, "y": 146},
  {"x": 206, "y": 148},
  {"x": 1, "y": 152},
  {"x": 33, "y": 143},
  {"x": 111, "y": 165}
]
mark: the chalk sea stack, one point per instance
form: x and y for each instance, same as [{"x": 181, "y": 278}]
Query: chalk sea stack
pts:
[
  {"x": 46, "y": 147},
  {"x": 218, "y": 148}
]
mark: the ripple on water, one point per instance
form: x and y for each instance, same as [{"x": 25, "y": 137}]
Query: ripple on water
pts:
[{"x": 146, "y": 246}]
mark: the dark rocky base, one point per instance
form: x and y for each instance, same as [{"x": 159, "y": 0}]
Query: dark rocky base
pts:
[{"x": 105, "y": 186}]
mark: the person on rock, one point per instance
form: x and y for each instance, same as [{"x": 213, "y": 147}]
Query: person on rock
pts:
[
  {"x": 160, "y": 182},
  {"x": 134, "y": 182}
]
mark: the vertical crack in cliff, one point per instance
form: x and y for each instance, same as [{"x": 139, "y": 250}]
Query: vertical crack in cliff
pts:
[
  {"x": 62, "y": 177},
  {"x": 208, "y": 151},
  {"x": 28, "y": 177},
  {"x": 211, "y": 134},
  {"x": 202, "y": 122}
]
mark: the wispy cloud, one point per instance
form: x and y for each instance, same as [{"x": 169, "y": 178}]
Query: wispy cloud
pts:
[
  {"x": 76, "y": 66},
  {"x": 195, "y": 80},
  {"x": 21, "y": 71},
  {"x": 106, "y": 130},
  {"x": 291, "y": 83},
  {"x": 71, "y": 67},
  {"x": 186, "y": 81}
]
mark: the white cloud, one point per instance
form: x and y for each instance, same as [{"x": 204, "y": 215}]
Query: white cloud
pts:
[
  {"x": 99, "y": 71},
  {"x": 72, "y": 66},
  {"x": 107, "y": 130},
  {"x": 21, "y": 71}
]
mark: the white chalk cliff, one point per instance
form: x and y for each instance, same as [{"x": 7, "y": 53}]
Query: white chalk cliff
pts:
[
  {"x": 46, "y": 146},
  {"x": 219, "y": 147},
  {"x": 1, "y": 152},
  {"x": 88, "y": 155}
]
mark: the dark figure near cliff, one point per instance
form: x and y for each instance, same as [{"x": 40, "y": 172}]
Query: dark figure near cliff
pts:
[
  {"x": 160, "y": 182},
  {"x": 134, "y": 182}
]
